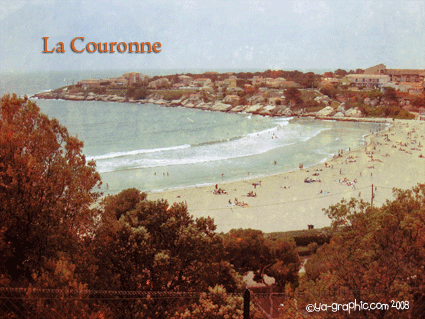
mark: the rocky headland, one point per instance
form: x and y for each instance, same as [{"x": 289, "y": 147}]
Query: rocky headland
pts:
[{"x": 338, "y": 113}]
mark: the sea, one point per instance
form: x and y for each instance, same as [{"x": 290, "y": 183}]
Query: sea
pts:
[{"x": 154, "y": 148}]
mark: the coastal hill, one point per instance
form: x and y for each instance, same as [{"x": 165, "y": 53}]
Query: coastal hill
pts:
[{"x": 339, "y": 94}]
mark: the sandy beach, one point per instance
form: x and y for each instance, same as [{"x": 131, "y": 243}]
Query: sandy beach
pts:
[{"x": 390, "y": 158}]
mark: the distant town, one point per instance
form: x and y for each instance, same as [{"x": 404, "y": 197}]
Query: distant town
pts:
[{"x": 372, "y": 92}]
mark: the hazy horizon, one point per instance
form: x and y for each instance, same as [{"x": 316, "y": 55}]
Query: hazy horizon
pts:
[{"x": 215, "y": 35}]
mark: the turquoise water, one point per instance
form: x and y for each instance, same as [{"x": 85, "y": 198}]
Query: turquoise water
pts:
[{"x": 153, "y": 147}]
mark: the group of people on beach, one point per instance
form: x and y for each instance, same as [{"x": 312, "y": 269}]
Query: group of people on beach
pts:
[
  {"x": 238, "y": 203},
  {"x": 218, "y": 191}
]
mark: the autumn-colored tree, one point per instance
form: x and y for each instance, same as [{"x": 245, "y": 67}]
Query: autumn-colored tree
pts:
[
  {"x": 390, "y": 96},
  {"x": 250, "y": 250},
  {"x": 149, "y": 245},
  {"x": 293, "y": 96},
  {"x": 218, "y": 304},
  {"x": 144, "y": 245},
  {"x": 340, "y": 72},
  {"x": 329, "y": 90},
  {"x": 419, "y": 101},
  {"x": 375, "y": 255},
  {"x": 46, "y": 189}
]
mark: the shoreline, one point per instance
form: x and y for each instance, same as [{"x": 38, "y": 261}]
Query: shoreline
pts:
[
  {"x": 209, "y": 184},
  {"x": 217, "y": 106},
  {"x": 262, "y": 109},
  {"x": 285, "y": 202}
]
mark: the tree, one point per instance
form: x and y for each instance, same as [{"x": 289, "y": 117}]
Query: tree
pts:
[
  {"x": 218, "y": 304},
  {"x": 375, "y": 254},
  {"x": 248, "y": 250},
  {"x": 149, "y": 245},
  {"x": 329, "y": 90},
  {"x": 285, "y": 263},
  {"x": 293, "y": 96},
  {"x": 341, "y": 73},
  {"x": 45, "y": 192},
  {"x": 390, "y": 96},
  {"x": 137, "y": 93},
  {"x": 419, "y": 101}
]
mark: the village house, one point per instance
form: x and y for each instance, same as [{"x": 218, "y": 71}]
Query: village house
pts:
[
  {"x": 89, "y": 83},
  {"x": 185, "y": 79},
  {"x": 132, "y": 77},
  {"x": 231, "y": 81},
  {"x": 277, "y": 83},
  {"x": 110, "y": 81},
  {"x": 405, "y": 75},
  {"x": 397, "y": 75},
  {"x": 414, "y": 88},
  {"x": 258, "y": 81},
  {"x": 368, "y": 80}
]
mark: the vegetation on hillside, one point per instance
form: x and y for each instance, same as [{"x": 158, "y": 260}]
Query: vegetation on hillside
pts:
[
  {"x": 375, "y": 255},
  {"x": 53, "y": 236}
]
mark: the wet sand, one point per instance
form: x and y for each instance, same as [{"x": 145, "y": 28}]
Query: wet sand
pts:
[{"x": 286, "y": 202}]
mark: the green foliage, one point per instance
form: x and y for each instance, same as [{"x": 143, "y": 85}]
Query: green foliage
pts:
[
  {"x": 293, "y": 95},
  {"x": 329, "y": 90},
  {"x": 376, "y": 253},
  {"x": 390, "y": 95},
  {"x": 45, "y": 190},
  {"x": 137, "y": 93},
  {"x": 153, "y": 246},
  {"x": 169, "y": 95},
  {"x": 304, "y": 237},
  {"x": 307, "y": 80},
  {"x": 391, "y": 111}
]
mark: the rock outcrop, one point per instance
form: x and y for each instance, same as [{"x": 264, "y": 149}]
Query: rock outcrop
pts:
[
  {"x": 326, "y": 112},
  {"x": 218, "y": 105}
]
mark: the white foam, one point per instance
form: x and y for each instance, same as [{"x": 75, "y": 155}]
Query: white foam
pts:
[{"x": 136, "y": 152}]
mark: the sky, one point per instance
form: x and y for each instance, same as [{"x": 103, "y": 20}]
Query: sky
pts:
[{"x": 214, "y": 34}]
